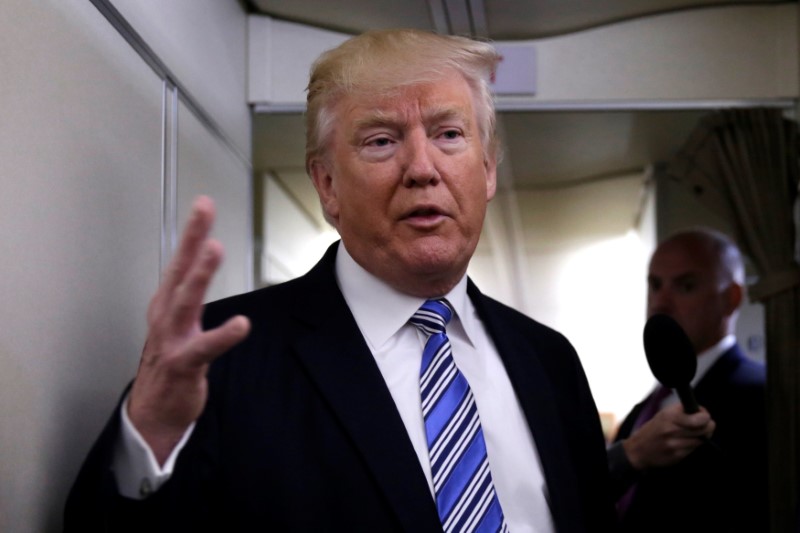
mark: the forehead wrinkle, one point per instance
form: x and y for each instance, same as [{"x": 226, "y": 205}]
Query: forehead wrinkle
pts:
[
  {"x": 381, "y": 117},
  {"x": 681, "y": 277},
  {"x": 401, "y": 117},
  {"x": 438, "y": 113},
  {"x": 395, "y": 115}
]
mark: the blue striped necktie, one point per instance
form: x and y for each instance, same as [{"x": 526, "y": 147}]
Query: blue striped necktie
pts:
[{"x": 465, "y": 495}]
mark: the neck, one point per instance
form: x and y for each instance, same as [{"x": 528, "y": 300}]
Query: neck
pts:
[{"x": 425, "y": 288}]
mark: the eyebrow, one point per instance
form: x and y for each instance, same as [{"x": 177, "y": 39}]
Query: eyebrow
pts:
[
  {"x": 378, "y": 118},
  {"x": 687, "y": 276},
  {"x": 443, "y": 113},
  {"x": 680, "y": 278},
  {"x": 433, "y": 115}
]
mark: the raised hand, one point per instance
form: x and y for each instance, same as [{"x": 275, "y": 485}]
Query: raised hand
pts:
[
  {"x": 668, "y": 437},
  {"x": 170, "y": 388}
]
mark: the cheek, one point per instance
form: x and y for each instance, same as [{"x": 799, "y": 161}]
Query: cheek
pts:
[
  {"x": 365, "y": 202},
  {"x": 476, "y": 201},
  {"x": 698, "y": 312},
  {"x": 470, "y": 182}
]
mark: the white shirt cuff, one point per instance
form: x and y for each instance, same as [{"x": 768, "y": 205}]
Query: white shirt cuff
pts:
[{"x": 136, "y": 470}]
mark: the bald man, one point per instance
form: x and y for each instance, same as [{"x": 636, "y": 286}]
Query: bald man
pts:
[{"x": 706, "y": 471}]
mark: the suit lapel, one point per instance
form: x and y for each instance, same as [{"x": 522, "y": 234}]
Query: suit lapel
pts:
[
  {"x": 717, "y": 375},
  {"x": 339, "y": 361}
]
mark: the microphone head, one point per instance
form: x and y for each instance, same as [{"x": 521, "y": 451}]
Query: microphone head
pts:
[{"x": 669, "y": 351}]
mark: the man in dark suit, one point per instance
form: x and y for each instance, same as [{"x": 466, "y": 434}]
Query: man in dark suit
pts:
[
  {"x": 297, "y": 407},
  {"x": 705, "y": 471}
]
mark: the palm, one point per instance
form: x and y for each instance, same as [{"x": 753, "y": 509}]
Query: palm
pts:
[{"x": 170, "y": 389}]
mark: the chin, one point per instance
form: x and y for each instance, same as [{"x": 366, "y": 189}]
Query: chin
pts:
[{"x": 436, "y": 258}]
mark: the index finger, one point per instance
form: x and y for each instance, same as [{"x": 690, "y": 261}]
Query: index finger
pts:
[{"x": 194, "y": 235}]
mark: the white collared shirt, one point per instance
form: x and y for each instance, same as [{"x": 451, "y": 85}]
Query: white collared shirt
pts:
[{"x": 382, "y": 315}]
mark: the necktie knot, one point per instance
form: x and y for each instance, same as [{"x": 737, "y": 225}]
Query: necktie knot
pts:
[{"x": 433, "y": 316}]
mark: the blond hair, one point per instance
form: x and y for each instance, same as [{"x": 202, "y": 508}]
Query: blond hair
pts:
[{"x": 384, "y": 61}]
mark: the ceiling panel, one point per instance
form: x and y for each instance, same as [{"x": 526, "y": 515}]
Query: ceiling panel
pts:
[
  {"x": 532, "y": 19},
  {"x": 505, "y": 19},
  {"x": 564, "y": 218},
  {"x": 349, "y": 16},
  {"x": 546, "y": 148}
]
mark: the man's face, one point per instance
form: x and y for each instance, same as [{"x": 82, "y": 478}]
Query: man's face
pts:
[
  {"x": 683, "y": 284},
  {"x": 406, "y": 182}
]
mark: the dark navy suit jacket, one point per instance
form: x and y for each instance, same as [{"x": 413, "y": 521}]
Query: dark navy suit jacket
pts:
[
  {"x": 721, "y": 486},
  {"x": 300, "y": 432}
]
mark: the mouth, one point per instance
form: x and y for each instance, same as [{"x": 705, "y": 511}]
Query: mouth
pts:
[
  {"x": 425, "y": 215},
  {"x": 424, "y": 212}
]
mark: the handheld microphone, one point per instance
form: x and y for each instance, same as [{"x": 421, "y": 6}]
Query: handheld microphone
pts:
[{"x": 671, "y": 357}]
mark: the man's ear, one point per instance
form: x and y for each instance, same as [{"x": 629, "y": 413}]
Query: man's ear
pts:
[
  {"x": 735, "y": 294},
  {"x": 323, "y": 181},
  {"x": 490, "y": 167}
]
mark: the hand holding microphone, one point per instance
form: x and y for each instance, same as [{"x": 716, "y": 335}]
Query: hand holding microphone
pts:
[{"x": 670, "y": 435}]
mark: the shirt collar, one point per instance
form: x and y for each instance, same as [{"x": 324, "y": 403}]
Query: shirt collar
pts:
[
  {"x": 707, "y": 358},
  {"x": 381, "y": 310}
]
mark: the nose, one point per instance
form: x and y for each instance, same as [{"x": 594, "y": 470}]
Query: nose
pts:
[
  {"x": 419, "y": 165},
  {"x": 659, "y": 301}
]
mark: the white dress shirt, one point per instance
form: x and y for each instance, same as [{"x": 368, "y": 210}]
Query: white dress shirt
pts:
[{"x": 382, "y": 315}]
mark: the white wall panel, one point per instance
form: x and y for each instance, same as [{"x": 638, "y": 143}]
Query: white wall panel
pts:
[
  {"x": 731, "y": 52},
  {"x": 80, "y": 215},
  {"x": 280, "y": 56},
  {"x": 204, "y": 43},
  {"x": 79, "y": 230},
  {"x": 206, "y": 166}
]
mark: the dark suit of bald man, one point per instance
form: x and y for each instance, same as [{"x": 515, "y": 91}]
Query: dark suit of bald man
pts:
[{"x": 722, "y": 485}]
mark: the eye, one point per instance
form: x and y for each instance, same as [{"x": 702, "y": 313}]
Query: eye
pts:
[
  {"x": 451, "y": 134},
  {"x": 686, "y": 286},
  {"x": 378, "y": 146},
  {"x": 379, "y": 142}
]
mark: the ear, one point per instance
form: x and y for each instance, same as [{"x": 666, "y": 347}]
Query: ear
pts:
[
  {"x": 735, "y": 295},
  {"x": 490, "y": 167},
  {"x": 323, "y": 181}
]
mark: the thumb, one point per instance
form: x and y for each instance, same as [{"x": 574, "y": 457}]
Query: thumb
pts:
[{"x": 212, "y": 343}]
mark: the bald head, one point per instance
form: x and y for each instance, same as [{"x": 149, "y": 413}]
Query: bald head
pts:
[
  {"x": 697, "y": 276},
  {"x": 714, "y": 249}
]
